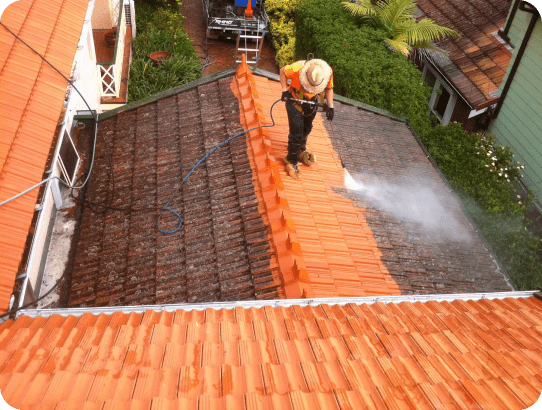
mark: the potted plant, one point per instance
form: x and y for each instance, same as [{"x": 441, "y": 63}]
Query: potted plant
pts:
[{"x": 158, "y": 56}]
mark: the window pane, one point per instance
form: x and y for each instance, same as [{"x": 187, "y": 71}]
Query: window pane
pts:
[
  {"x": 429, "y": 78},
  {"x": 442, "y": 102}
]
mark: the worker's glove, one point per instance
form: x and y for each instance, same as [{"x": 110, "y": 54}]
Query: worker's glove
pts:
[
  {"x": 285, "y": 96},
  {"x": 330, "y": 113}
]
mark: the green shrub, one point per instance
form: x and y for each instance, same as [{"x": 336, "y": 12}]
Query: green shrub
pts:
[
  {"x": 364, "y": 68},
  {"x": 485, "y": 170},
  {"x": 159, "y": 14},
  {"x": 281, "y": 14},
  {"x": 516, "y": 247},
  {"x": 167, "y": 20},
  {"x": 158, "y": 40},
  {"x": 281, "y": 8},
  {"x": 283, "y": 30},
  {"x": 183, "y": 65},
  {"x": 484, "y": 175},
  {"x": 285, "y": 54}
]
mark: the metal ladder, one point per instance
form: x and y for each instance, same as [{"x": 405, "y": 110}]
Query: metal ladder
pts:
[{"x": 247, "y": 37}]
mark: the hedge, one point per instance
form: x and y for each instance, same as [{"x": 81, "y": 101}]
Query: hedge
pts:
[{"x": 364, "y": 68}]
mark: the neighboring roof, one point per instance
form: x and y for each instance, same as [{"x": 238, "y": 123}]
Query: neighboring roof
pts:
[
  {"x": 31, "y": 98},
  {"x": 475, "y": 354},
  {"x": 249, "y": 231},
  {"x": 479, "y": 59}
]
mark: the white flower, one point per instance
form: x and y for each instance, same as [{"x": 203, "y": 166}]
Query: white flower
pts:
[
  {"x": 478, "y": 153},
  {"x": 523, "y": 167},
  {"x": 493, "y": 163},
  {"x": 500, "y": 174},
  {"x": 494, "y": 158},
  {"x": 508, "y": 180},
  {"x": 489, "y": 153},
  {"x": 506, "y": 175},
  {"x": 487, "y": 165},
  {"x": 521, "y": 203},
  {"x": 519, "y": 196}
]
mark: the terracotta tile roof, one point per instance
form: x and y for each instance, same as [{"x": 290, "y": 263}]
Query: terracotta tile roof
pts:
[
  {"x": 31, "y": 98},
  {"x": 222, "y": 252},
  {"x": 327, "y": 235},
  {"x": 250, "y": 232},
  {"x": 475, "y": 354},
  {"x": 426, "y": 241},
  {"x": 479, "y": 59}
]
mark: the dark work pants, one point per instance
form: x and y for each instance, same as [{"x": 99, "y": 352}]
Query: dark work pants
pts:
[{"x": 300, "y": 128}]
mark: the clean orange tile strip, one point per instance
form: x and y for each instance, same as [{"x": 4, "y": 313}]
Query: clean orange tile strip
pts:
[
  {"x": 325, "y": 234},
  {"x": 482, "y": 354},
  {"x": 265, "y": 166}
]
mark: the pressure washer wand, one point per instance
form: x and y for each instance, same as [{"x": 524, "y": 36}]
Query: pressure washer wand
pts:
[{"x": 324, "y": 105}]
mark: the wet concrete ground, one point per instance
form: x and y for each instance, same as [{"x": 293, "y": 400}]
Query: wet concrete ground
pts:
[{"x": 222, "y": 52}]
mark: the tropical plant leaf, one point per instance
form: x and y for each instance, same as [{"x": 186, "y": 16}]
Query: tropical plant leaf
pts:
[
  {"x": 361, "y": 9},
  {"x": 397, "y": 19}
]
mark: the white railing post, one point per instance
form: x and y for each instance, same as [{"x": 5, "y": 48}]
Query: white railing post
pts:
[{"x": 111, "y": 75}]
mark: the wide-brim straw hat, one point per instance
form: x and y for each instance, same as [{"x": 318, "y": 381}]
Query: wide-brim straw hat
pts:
[{"x": 314, "y": 75}]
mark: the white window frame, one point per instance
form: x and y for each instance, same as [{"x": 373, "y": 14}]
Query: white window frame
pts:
[{"x": 445, "y": 119}]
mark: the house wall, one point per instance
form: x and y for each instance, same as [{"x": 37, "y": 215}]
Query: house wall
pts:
[
  {"x": 102, "y": 17},
  {"x": 461, "y": 115},
  {"x": 519, "y": 123}
]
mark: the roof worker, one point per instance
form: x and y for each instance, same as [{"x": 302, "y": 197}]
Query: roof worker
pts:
[{"x": 311, "y": 80}]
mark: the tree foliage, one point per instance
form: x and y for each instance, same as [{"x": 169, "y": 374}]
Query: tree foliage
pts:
[
  {"x": 364, "y": 68},
  {"x": 397, "y": 19}
]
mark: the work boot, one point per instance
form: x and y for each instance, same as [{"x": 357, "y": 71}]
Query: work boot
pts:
[
  {"x": 307, "y": 158},
  {"x": 292, "y": 169}
]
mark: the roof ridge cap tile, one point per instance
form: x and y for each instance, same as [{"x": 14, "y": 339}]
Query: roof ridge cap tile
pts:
[{"x": 295, "y": 277}]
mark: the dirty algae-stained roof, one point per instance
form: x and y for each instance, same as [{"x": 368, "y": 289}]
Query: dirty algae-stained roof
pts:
[
  {"x": 457, "y": 354},
  {"x": 250, "y": 232},
  {"x": 31, "y": 98},
  {"x": 479, "y": 59}
]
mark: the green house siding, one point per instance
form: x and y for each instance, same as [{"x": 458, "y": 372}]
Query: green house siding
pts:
[{"x": 519, "y": 123}]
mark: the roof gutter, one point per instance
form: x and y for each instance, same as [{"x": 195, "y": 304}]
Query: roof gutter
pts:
[
  {"x": 504, "y": 32},
  {"x": 368, "y": 300},
  {"x": 523, "y": 6}
]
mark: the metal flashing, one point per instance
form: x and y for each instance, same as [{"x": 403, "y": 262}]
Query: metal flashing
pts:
[{"x": 341, "y": 301}]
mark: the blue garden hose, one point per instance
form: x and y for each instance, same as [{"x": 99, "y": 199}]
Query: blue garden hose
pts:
[{"x": 165, "y": 208}]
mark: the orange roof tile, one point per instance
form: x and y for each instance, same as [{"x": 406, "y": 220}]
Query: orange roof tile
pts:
[
  {"x": 31, "y": 98},
  {"x": 322, "y": 241},
  {"x": 397, "y": 354}
]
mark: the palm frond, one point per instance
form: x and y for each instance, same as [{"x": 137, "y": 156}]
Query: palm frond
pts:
[
  {"x": 430, "y": 52},
  {"x": 361, "y": 8},
  {"x": 397, "y": 12},
  {"x": 427, "y": 30},
  {"x": 398, "y": 45}
]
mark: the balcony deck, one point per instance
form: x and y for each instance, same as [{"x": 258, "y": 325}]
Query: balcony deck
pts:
[{"x": 105, "y": 54}]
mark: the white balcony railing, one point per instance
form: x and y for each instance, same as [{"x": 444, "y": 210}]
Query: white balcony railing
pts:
[{"x": 111, "y": 72}]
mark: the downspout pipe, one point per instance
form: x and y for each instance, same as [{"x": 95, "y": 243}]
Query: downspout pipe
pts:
[
  {"x": 504, "y": 32},
  {"x": 524, "y": 6}
]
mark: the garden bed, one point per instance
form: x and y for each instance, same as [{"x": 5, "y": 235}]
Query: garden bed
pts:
[{"x": 161, "y": 28}]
